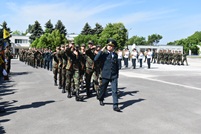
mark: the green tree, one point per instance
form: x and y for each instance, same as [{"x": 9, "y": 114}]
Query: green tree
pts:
[
  {"x": 36, "y": 31},
  {"x": 48, "y": 40},
  {"x": 62, "y": 29},
  {"x": 86, "y": 29},
  {"x": 116, "y": 31},
  {"x": 16, "y": 32},
  {"x": 29, "y": 29},
  {"x": 49, "y": 27},
  {"x": 137, "y": 40},
  {"x": 98, "y": 29},
  {"x": 154, "y": 39},
  {"x": 80, "y": 39},
  {"x": 34, "y": 43}
]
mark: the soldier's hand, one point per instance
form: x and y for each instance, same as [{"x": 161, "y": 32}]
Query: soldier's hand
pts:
[
  {"x": 75, "y": 52},
  {"x": 103, "y": 48}
]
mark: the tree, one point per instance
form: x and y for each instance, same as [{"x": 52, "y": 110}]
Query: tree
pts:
[
  {"x": 80, "y": 39},
  {"x": 154, "y": 39},
  {"x": 29, "y": 29},
  {"x": 50, "y": 40},
  {"x": 137, "y": 40},
  {"x": 87, "y": 30},
  {"x": 49, "y": 27},
  {"x": 116, "y": 31},
  {"x": 59, "y": 26},
  {"x": 98, "y": 29},
  {"x": 36, "y": 31},
  {"x": 16, "y": 32}
]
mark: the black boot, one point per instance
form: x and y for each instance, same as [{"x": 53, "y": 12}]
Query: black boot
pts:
[
  {"x": 55, "y": 83},
  {"x": 63, "y": 90},
  {"x": 78, "y": 97},
  {"x": 69, "y": 94}
]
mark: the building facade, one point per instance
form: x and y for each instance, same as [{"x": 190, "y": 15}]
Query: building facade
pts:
[{"x": 19, "y": 42}]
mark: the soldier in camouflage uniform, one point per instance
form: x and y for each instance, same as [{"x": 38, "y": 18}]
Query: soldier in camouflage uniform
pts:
[
  {"x": 179, "y": 58},
  {"x": 159, "y": 57},
  {"x": 174, "y": 57},
  {"x": 97, "y": 71},
  {"x": 64, "y": 63},
  {"x": 154, "y": 56},
  {"x": 55, "y": 64},
  {"x": 89, "y": 66},
  {"x": 83, "y": 68},
  {"x": 8, "y": 58},
  {"x": 184, "y": 58},
  {"x": 60, "y": 69},
  {"x": 73, "y": 71}
]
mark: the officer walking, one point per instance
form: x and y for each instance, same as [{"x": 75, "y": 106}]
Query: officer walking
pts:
[{"x": 110, "y": 72}]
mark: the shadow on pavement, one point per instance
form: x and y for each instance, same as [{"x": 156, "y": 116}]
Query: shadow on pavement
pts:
[
  {"x": 129, "y": 103},
  {"x": 19, "y": 73}
]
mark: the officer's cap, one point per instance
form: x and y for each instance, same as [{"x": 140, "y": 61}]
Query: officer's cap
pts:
[
  {"x": 90, "y": 42},
  {"x": 111, "y": 42},
  {"x": 83, "y": 45}
]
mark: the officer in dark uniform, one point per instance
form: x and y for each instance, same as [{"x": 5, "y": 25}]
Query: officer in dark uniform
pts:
[{"x": 110, "y": 72}]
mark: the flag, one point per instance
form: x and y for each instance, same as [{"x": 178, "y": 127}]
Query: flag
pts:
[{"x": 6, "y": 34}]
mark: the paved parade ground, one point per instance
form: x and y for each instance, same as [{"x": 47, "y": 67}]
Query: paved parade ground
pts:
[{"x": 165, "y": 99}]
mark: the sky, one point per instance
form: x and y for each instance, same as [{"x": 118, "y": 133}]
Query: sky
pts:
[{"x": 173, "y": 19}]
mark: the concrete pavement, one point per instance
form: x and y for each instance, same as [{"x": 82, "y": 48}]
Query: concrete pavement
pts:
[{"x": 162, "y": 100}]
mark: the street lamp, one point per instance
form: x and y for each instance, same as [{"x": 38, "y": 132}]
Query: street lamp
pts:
[{"x": 128, "y": 35}]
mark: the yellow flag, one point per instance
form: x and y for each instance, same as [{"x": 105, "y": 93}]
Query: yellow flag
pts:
[{"x": 6, "y": 34}]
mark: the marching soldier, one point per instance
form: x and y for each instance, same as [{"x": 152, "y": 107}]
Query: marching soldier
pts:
[
  {"x": 110, "y": 72},
  {"x": 184, "y": 58},
  {"x": 73, "y": 71},
  {"x": 97, "y": 71},
  {"x": 55, "y": 64},
  {"x": 83, "y": 68},
  {"x": 63, "y": 68},
  {"x": 89, "y": 66}
]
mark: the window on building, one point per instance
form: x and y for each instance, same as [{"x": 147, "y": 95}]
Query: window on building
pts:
[{"x": 21, "y": 41}]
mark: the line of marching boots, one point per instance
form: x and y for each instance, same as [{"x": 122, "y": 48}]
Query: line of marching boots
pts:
[{"x": 75, "y": 92}]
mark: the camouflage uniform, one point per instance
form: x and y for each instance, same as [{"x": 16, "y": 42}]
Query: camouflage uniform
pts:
[
  {"x": 89, "y": 69},
  {"x": 184, "y": 59},
  {"x": 64, "y": 63},
  {"x": 55, "y": 65},
  {"x": 73, "y": 72}
]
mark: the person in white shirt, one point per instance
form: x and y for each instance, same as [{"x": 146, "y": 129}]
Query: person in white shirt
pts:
[
  {"x": 126, "y": 56},
  {"x": 141, "y": 56},
  {"x": 149, "y": 53},
  {"x": 120, "y": 56},
  {"x": 134, "y": 57}
]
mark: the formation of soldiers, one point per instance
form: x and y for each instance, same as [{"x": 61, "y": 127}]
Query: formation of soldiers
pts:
[
  {"x": 73, "y": 67},
  {"x": 37, "y": 57},
  {"x": 169, "y": 57}
]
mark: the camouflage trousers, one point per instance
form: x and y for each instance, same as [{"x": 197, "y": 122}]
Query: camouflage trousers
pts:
[
  {"x": 96, "y": 79},
  {"x": 72, "y": 75},
  {"x": 88, "y": 75},
  {"x": 55, "y": 72}
]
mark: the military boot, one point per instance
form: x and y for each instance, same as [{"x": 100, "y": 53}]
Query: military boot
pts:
[
  {"x": 78, "y": 97},
  {"x": 69, "y": 94},
  {"x": 63, "y": 90},
  {"x": 55, "y": 83}
]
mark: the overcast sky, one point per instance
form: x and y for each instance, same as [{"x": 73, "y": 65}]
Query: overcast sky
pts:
[{"x": 173, "y": 19}]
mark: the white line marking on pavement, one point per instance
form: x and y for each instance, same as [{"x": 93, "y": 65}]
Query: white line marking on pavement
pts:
[{"x": 145, "y": 76}]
